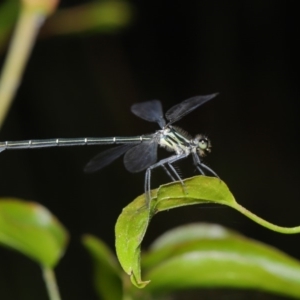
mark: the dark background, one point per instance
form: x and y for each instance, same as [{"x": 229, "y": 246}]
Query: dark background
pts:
[{"x": 84, "y": 86}]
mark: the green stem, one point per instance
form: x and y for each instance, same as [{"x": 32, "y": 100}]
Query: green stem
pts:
[
  {"x": 20, "y": 47},
  {"x": 52, "y": 288},
  {"x": 257, "y": 219}
]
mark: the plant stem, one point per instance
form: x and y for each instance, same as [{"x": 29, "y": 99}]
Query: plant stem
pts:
[
  {"x": 52, "y": 288},
  {"x": 262, "y": 222},
  {"x": 19, "y": 50},
  {"x": 32, "y": 16}
]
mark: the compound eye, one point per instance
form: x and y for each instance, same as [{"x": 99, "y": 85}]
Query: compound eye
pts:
[{"x": 203, "y": 144}]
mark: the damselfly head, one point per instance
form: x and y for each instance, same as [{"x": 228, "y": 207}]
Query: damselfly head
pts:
[{"x": 203, "y": 144}]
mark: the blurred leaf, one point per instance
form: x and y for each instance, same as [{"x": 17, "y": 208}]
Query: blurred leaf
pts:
[
  {"x": 98, "y": 16},
  {"x": 107, "y": 277},
  {"x": 169, "y": 242},
  {"x": 133, "y": 221},
  {"x": 31, "y": 229},
  {"x": 212, "y": 256},
  {"x": 8, "y": 15}
]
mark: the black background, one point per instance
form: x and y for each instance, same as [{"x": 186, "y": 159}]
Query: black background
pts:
[{"x": 84, "y": 86}]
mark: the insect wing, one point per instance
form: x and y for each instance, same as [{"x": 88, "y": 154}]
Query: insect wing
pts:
[
  {"x": 106, "y": 157},
  {"x": 178, "y": 111},
  {"x": 150, "y": 111},
  {"x": 140, "y": 157}
]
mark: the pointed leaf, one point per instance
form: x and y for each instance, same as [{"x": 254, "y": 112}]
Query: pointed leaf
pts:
[
  {"x": 130, "y": 230},
  {"x": 133, "y": 221}
]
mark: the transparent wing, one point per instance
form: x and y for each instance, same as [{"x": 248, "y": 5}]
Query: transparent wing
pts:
[
  {"x": 106, "y": 157},
  {"x": 150, "y": 111},
  {"x": 178, "y": 111},
  {"x": 140, "y": 157}
]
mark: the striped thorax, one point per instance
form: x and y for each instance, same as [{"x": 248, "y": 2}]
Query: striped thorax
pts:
[{"x": 174, "y": 139}]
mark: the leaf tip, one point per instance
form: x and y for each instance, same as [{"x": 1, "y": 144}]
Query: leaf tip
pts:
[{"x": 138, "y": 283}]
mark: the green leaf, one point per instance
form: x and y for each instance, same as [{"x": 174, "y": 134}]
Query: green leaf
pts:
[
  {"x": 130, "y": 230},
  {"x": 202, "y": 255},
  {"x": 169, "y": 242},
  {"x": 133, "y": 221},
  {"x": 32, "y": 230},
  {"x": 107, "y": 272},
  {"x": 197, "y": 190}
]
